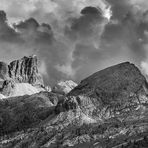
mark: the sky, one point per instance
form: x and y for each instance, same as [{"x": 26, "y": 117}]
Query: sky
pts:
[{"x": 74, "y": 38}]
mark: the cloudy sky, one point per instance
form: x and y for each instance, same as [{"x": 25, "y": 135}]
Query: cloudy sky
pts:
[{"x": 75, "y": 38}]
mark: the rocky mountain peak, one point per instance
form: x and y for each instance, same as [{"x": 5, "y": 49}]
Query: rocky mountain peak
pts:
[
  {"x": 115, "y": 88},
  {"x": 120, "y": 79},
  {"x": 64, "y": 87},
  {"x": 25, "y": 70}
]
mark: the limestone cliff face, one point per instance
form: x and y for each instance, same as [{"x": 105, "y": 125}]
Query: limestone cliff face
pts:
[{"x": 25, "y": 70}]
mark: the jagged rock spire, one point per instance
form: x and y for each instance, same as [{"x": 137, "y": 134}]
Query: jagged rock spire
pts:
[{"x": 26, "y": 70}]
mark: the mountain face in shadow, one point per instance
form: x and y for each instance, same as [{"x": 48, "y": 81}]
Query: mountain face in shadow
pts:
[
  {"x": 124, "y": 78},
  {"x": 107, "y": 109}
]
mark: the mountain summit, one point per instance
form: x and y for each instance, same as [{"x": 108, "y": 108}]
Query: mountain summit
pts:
[
  {"x": 25, "y": 70},
  {"x": 115, "y": 83},
  {"x": 115, "y": 86},
  {"x": 21, "y": 77}
]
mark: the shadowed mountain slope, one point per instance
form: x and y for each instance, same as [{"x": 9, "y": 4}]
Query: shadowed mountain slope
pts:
[{"x": 123, "y": 79}]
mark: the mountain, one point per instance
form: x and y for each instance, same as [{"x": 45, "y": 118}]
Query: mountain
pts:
[
  {"x": 109, "y": 109},
  {"x": 114, "y": 101},
  {"x": 64, "y": 86},
  {"x": 123, "y": 78},
  {"x": 21, "y": 77},
  {"x": 25, "y": 70}
]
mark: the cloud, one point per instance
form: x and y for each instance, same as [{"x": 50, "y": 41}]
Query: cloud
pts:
[
  {"x": 26, "y": 8},
  {"x": 144, "y": 66},
  {"x": 122, "y": 39},
  {"x": 74, "y": 38},
  {"x": 29, "y": 37},
  {"x": 41, "y": 9},
  {"x": 66, "y": 69}
]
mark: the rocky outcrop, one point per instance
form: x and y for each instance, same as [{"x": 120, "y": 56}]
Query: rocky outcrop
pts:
[
  {"x": 25, "y": 70},
  {"x": 64, "y": 87},
  {"x": 117, "y": 90},
  {"x": 21, "y": 77},
  {"x": 8, "y": 87},
  {"x": 120, "y": 80}
]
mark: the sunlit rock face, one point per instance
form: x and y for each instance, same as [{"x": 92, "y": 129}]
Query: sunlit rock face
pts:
[
  {"x": 64, "y": 87},
  {"x": 25, "y": 70}
]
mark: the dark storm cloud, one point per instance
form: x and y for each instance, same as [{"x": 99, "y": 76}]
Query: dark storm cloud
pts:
[
  {"x": 40, "y": 37},
  {"x": 122, "y": 39},
  {"x": 90, "y": 10},
  {"x": 28, "y": 24},
  {"x": 38, "y": 33},
  {"x": 86, "y": 31},
  {"x": 55, "y": 46},
  {"x": 86, "y": 25},
  {"x": 29, "y": 37},
  {"x": 79, "y": 37},
  {"x": 6, "y": 32},
  {"x": 128, "y": 31}
]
